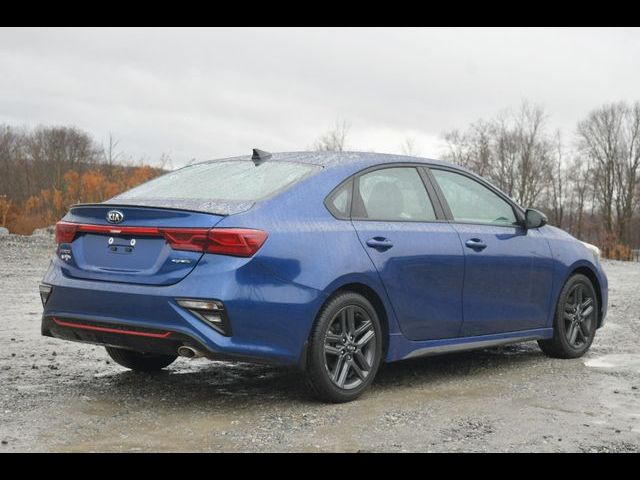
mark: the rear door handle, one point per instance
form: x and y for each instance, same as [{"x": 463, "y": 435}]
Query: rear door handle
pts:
[
  {"x": 476, "y": 244},
  {"x": 379, "y": 243}
]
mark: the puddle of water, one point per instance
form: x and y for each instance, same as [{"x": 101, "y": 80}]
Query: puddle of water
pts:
[{"x": 618, "y": 361}]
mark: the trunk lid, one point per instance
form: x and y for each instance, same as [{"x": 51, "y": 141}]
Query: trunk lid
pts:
[{"x": 133, "y": 250}]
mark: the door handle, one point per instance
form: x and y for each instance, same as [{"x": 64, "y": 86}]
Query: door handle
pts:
[
  {"x": 476, "y": 244},
  {"x": 379, "y": 243}
]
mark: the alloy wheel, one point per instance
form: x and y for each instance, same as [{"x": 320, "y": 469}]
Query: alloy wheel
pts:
[
  {"x": 579, "y": 316},
  {"x": 350, "y": 347}
]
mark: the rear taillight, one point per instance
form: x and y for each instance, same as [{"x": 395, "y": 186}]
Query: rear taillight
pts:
[
  {"x": 239, "y": 242},
  {"x": 191, "y": 239},
  {"x": 66, "y": 232}
]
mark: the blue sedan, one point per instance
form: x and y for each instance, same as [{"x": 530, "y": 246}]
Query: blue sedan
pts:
[{"x": 331, "y": 262}]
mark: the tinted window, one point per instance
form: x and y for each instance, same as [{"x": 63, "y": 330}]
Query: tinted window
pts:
[
  {"x": 394, "y": 194},
  {"x": 233, "y": 180},
  {"x": 470, "y": 201},
  {"x": 339, "y": 202}
]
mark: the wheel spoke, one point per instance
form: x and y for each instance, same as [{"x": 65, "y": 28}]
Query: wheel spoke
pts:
[
  {"x": 587, "y": 311},
  {"x": 337, "y": 367},
  {"x": 588, "y": 301},
  {"x": 358, "y": 371},
  {"x": 568, "y": 316},
  {"x": 351, "y": 320},
  {"x": 333, "y": 338},
  {"x": 584, "y": 331},
  {"x": 579, "y": 294},
  {"x": 573, "y": 333},
  {"x": 332, "y": 350},
  {"x": 366, "y": 338},
  {"x": 366, "y": 325},
  {"x": 343, "y": 322},
  {"x": 344, "y": 371},
  {"x": 362, "y": 360}
]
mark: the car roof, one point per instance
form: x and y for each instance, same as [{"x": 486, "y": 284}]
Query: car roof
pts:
[{"x": 341, "y": 159}]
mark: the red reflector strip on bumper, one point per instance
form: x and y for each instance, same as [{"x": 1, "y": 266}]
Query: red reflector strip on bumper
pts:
[{"x": 110, "y": 330}]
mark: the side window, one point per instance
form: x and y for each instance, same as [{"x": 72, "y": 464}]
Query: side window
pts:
[
  {"x": 339, "y": 202},
  {"x": 393, "y": 194},
  {"x": 471, "y": 201}
]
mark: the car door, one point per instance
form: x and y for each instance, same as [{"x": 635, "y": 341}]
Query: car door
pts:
[
  {"x": 508, "y": 269},
  {"x": 416, "y": 252}
]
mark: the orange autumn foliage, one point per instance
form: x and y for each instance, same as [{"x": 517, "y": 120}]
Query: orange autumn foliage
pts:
[{"x": 91, "y": 186}]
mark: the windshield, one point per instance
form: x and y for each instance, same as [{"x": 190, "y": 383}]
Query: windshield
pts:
[{"x": 233, "y": 181}]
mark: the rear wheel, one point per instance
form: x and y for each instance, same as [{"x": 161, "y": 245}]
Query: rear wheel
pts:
[
  {"x": 345, "y": 349},
  {"x": 575, "y": 320},
  {"x": 138, "y": 361}
]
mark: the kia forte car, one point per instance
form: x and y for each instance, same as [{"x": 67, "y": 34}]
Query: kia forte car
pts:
[{"x": 331, "y": 262}]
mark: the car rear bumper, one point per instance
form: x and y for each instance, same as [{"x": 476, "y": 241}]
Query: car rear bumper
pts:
[
  {"x": 164, "y": 342},
  {"x": 270, "y": 319}
]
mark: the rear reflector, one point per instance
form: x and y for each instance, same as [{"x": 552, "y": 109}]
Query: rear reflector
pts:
[
  {"x": 212, "y": 312},
  {"x": 45, "y": 292},
  {"x": 239, "y": 242},
  {"x": 120, "y": 331}
]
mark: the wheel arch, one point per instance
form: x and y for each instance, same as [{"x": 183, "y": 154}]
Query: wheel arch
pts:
[
  {"x": 376, "y": 301},
  {"x": 593, "y": 277}
]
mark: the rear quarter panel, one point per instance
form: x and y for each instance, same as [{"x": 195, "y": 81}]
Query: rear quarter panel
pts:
[{"x": 308, "y": 246}]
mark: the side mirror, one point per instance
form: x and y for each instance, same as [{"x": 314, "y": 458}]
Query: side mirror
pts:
[{"x": 534, "y": 218}]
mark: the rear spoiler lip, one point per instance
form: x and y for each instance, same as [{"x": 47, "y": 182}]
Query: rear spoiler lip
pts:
[{"x": 133, "y": 205}]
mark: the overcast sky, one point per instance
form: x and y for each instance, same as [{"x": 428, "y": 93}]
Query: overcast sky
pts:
[{"x": 209, "y": 93}]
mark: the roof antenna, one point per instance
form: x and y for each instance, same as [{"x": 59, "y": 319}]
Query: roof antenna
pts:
[{"x": 260, "y": 156}]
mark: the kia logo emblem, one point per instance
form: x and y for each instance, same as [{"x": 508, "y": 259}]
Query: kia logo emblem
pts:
[{"x": 114, "y": 216}]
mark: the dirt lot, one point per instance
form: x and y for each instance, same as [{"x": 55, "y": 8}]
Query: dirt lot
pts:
[{"x": 61, "y": 396}]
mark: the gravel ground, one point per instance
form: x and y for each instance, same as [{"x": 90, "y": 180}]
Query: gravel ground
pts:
[{"x": 61, "y": 396}]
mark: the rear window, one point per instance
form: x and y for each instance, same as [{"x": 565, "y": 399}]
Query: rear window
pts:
[{"x": 234, "y": 181}]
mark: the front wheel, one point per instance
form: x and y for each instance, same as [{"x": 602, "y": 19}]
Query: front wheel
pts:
[
  {"x": 576, "y": 320},
  {"x": 138, "y": 361},
  {"x": 345, "y": 349}
]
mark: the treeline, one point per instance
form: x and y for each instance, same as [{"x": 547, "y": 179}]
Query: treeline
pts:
[
  {"x": 588, "y": 183},
  {"x": 43, "y": 171}
]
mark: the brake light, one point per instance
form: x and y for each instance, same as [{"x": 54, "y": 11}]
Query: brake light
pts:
[
  {"x": 239, "y": 242},
  {"x": 65, "y": 232},
  {"x": 190, "y": 239}
]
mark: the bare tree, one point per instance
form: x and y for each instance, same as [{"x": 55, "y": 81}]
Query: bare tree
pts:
[
  {"x": 610, "y": 137},
  {"x": 558, "y": 190},
  {"x": 599, "y": 140},
  {"x": 581, "y": 187},
  {"x": 52, "y": 151},
  {"x": 472, "y": 148},
  {"x": 513, "y": 151},
  {"x": 333, "y": 140},
  {"x": 627, "y": 171},
  {"x": 409, "y": 148},
  {"x": 110, "y": 153}
]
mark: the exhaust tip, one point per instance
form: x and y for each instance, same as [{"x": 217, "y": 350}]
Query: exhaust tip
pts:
[{"x": 188, "y": 352}]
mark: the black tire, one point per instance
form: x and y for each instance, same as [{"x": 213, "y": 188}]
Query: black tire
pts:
[
  {"x": 561, "y": 345},
  {"x": 138, "y": 361},
  {"x": 362, "y": 349}
]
